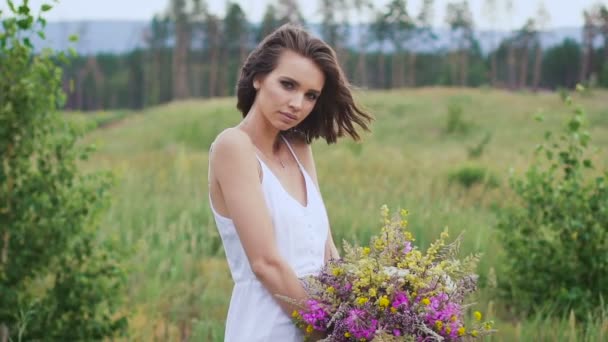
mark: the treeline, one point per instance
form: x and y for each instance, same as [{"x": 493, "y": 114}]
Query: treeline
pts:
[{"x": 190, "y": 52}]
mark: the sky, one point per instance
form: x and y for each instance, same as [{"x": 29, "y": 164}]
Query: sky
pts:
[{"x": 563, "y": 13}]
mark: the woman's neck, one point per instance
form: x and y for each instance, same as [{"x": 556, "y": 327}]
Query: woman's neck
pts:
[{"x": 261, "y": 132}]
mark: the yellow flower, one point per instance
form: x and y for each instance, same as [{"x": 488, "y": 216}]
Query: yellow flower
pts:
[
  {"x": 461, "y": 331},
  {"x": 372, "y": 292},
  {"x": 362, "y": 300},
  {"x": 366, "y": 250},
  {"x": 448, "y": 330},
  {"x": 453, "y": 318},
  {"x": 295, "y": 314},
  {"x": 347, "y": 334},
  {"x": 331, "y": 289},
  {"x": 379, "y": 244},
  {"x": 426, "y": 301},
  {"x": 393, "y": 310},
  {"x": 477, "y": 315},
  {"x": 309, "y": 329},
  {"x": 474, "y": 333},
  {"x": 487, "y": 326},
  {"x": 337, "y": 271},
  {"x": 384, "y": 302},
  {"x": 439, "y": 325}
]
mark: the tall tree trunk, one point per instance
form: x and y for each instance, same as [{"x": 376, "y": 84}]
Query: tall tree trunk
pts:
[
  {"x": 395, "y": 70},
  {"x": 494, "y": 70},
  {"x": 180, "y": 62},
  {"x": 361, "y": 67},
  {"x": 511, "y": 62},
  {"x": 411, "y": 66},
  {"x": 213, "y": 70},
  {"x": 587, "y": 48},
  {"x": 453, "y": 60},
  {"x": 464, "y": 67},
  {"x": 381, "y": 70},
  {"x": 523, "y": 71},
  {"x": 537, "y": 67}
]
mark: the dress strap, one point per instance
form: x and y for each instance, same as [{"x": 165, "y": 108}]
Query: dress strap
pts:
[{"x": 292, "y": 152}]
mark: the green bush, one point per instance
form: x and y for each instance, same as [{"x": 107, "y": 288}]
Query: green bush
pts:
[
  {"x": 555, "y": 236},
  {"x": 57, "y": 282},
  {"x": 456, "y": 124},
  {"x": 468, "y": 176}
]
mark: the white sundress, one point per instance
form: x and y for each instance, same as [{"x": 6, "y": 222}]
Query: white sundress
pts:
[{"x": 301, "y": 232}]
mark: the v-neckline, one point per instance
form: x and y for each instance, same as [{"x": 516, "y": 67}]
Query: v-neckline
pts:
[{"x": 302, "y": 172}]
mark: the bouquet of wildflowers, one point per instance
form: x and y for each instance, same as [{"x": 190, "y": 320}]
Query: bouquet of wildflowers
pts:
[{"x": 392, "y": 291}]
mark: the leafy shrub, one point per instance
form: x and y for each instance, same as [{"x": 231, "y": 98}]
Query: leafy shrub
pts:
[
  {"x": 455, "y": 121},
  {"x": 57, "y": 283},
  {"x": 468, "y": 176},
  {"x": 555, "y": 236}
]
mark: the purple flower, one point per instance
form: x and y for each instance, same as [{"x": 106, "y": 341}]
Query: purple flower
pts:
[
  {"x": 361, "y": 324},
  {"x": 315, "y": 315},
  {"x": 407, "y": 248},
  {"x": 400, "y": 299}
]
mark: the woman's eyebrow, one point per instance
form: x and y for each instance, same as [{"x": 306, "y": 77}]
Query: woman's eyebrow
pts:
[{"x": 298, "y": 84}]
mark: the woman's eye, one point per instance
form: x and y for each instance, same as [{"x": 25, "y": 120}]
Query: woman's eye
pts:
[
  {"x": 287, "y": 84},
  {"x": 312, "y": 97}
]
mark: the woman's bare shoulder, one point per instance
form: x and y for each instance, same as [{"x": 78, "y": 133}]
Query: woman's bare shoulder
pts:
[{"x": 231, "y": 144}]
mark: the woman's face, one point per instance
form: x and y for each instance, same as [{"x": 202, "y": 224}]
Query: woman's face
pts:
[{"x": 288, "y": 94}]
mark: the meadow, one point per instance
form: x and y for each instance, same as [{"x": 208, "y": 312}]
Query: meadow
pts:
[{"x": 178, "y": 281}]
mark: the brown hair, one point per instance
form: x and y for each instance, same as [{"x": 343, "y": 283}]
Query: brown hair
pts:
[{"x": 335, "y": 110}]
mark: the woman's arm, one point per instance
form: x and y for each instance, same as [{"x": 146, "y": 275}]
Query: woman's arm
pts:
[{"x": 235, "y": 167}]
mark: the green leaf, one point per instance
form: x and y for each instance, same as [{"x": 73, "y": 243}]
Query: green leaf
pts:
[
  {"x": 11, "y": 5},
  {"x": 24, "y": 10},
  {"x": 587, "y": 163},
  {"x": 45, "y": 7},
  {"x": 73, "y": 38},
  {"x": 41, "y": 35},
  {"x": 28, "y": 43}
]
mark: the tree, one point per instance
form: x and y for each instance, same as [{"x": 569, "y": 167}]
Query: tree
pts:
[
  {"x": 542, "y": 21},
  {"x": 400, "y": 31},
  {"x": 380, "y": 30},
  {"x": 57, "y": 281},
  {"x": 289, "y": 12},
  {"x": 213, "y": 43},
  {"x": 460, "y": 19},
  {"x": 587, "y": 46},
  {"x": 525, "y": 38},
  {"x": 156, "y": 37},
  {"x": 424, "y": 34},
  {"x": 270, "y": 22},
  {"x": 511, "y": 58},
  {"x": 360, "y": 6},
  {"x": 235, "y": 35},
  {"x": 490, "y": 9},
  {"x": 335, "y": 26},
  {"x": 182, "y": 33}
]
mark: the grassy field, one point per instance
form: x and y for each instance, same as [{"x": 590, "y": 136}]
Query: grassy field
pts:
[{"x": 179, "y": 284}]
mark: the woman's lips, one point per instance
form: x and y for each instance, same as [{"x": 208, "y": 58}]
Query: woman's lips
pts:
[{"x": 289, "y": 116}]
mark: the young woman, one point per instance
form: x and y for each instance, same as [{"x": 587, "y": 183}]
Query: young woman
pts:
[{"x": 263, "y": 185}]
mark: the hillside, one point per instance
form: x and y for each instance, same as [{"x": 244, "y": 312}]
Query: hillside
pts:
[{"x": 178, "y": 279}]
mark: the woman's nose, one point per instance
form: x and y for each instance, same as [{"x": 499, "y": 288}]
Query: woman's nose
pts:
[{"x": 296, "y": 101}]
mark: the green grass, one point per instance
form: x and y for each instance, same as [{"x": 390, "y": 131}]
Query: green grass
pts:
[{"x": 179, "y": 284}]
